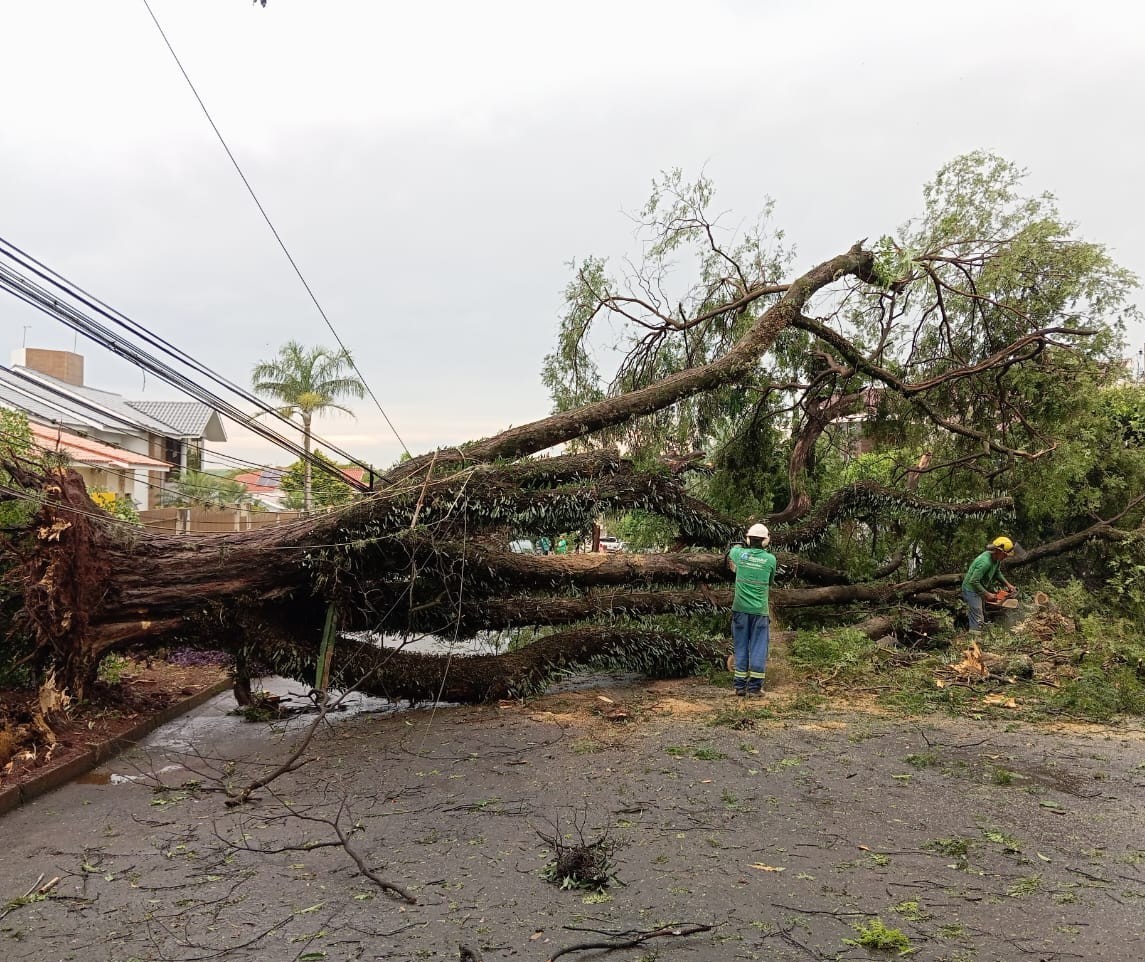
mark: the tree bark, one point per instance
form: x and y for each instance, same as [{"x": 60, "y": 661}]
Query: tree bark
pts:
[{"x": 429, "y": 554}]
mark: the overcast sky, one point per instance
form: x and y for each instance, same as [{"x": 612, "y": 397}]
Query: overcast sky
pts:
[{"x": 434, "y": 167}]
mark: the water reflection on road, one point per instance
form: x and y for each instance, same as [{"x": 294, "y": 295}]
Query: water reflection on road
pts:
[{"x": 216, "y": 724}]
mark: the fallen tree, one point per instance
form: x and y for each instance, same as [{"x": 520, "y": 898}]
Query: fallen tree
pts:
[{"x": 427, "y": 553}]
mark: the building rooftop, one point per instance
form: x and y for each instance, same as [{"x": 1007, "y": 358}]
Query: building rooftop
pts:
[
  {"x": 190, "y": 419},
  {"x": 91, "y": 453}
]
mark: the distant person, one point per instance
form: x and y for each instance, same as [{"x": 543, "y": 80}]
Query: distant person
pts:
[
  {"x": 983, "y": 579},
  {"x": 544, "y": 544},
  {"x": 754, "y": 568},
  {"x": 562, "y": 545}
]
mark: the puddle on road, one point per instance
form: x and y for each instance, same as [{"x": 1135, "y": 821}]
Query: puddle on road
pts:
[
  {"x": 217, "y": 724},
  {"x": 99, "y": 777}
]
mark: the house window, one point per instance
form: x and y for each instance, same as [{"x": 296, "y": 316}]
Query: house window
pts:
[{"x": 172, "y": 454}]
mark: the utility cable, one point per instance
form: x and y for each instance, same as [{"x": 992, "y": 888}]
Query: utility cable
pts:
[
  {"x": 36, "y": 296},
  {"x": 273, "y": 230},
  {"x": 73, "y": 291}
]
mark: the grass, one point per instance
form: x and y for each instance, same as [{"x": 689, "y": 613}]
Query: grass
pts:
[
  {"x": 911, "y": 911},
  {"x": 112, "y": 669},
  {"x": 1026, "y": 885},
  {"x": 875, "y": 934},
  {"x": 1073, "y": 660},
  {"x": 741, "y": 717}
]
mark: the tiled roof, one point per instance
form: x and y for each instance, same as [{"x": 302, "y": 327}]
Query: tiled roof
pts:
[
  {"x": 189, "y": 419},
  {"x": 355, "y": 473},
  {"x": 91, "y": 453},
  {"x": 45, "y": 402},
  {"x": 261, "y": 481},
  {"x": 96, "y": 403},
  {"x": 51, "y": 399}
]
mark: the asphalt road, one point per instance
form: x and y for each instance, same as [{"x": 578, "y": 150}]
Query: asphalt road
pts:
[{"x": 788, "y": 838}]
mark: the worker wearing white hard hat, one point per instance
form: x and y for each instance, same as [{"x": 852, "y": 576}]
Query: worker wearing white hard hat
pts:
[{"x": 754, "y": 568}]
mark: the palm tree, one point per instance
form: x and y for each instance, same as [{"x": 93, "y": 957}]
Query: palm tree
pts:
[{"x": 306, "y": 382}]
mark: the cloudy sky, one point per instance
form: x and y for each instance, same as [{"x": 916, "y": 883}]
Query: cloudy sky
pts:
[{"x": 433, "y": 168}]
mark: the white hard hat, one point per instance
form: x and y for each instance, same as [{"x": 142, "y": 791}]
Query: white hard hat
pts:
[{"x": 759, "y": 531}]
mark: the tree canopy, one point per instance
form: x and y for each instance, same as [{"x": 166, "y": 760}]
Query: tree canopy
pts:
[
  {"x": 307, "y": 382},
  {"x": 946, "y": 364},
  {"x": 884, "y": 411}
]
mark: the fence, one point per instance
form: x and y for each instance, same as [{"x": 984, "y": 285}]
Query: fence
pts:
[{"x": 204, "y": 521}]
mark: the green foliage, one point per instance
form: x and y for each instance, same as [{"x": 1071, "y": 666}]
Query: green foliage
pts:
[
  {"x": 325, "y": 489},
  {"x": 16, "y": 645},
  {"x": 986, "y": 264},
  {"x": 676, "y": 228},
  {"x": 16, "y": 442},
  {"x": 875, "y": 934},
  {"x": 749, "y": 477},
  {"x": 641, "y": 530},
  {"x": 198, "y": 489},
  {"x": 307, "y": 382},
  {"x": 117, "y": 505},
  {"x": 112, "y": 668},
  {"x": 1124, "y": 407},
  {"x": 1125, "y": 581},
  {"x": 843, "y": 651},
  {"x": 1097, "y": 694}
]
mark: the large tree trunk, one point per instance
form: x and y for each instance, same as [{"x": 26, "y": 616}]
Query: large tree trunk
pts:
[
  {"x": 429, "y": 553},
  {"x": 398, "y": 564}
]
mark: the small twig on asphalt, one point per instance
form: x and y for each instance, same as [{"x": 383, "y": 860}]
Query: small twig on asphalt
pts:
[
  {"x": 687, "y": 928},
  {"x": 366, "y": 870},
  {"x": 36, "y": 892},
  {"x": 290, "y": 765}
]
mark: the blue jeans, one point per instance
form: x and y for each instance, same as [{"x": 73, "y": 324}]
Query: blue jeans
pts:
[
  {"x": 751, "y": 634},
  {"x": 974, "y": 608}
]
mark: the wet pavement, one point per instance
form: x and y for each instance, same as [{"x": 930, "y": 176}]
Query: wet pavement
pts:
[{"x": 791, "y": 837}]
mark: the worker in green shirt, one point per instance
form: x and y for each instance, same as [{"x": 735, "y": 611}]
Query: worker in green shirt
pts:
[
  {"x": 983, "y": 579},
  {"x": 754, "y": 569}
]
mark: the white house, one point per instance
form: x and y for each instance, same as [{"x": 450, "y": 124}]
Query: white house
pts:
[{"x": 157, "y": 439}]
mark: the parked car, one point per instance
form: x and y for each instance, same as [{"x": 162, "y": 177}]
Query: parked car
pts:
[{"x": 609, "y": 543}]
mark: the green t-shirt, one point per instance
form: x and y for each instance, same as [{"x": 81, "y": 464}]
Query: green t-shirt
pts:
[
  {"x": 984, "y": 572},
  {"x": 755, "y": 571}
]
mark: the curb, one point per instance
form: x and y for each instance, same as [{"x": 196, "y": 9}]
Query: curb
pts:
[{"x": 18, "y": 795}]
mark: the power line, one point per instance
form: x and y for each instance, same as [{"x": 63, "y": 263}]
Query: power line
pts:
[
  {"x": 273, "y": 230},
  {"x": 35, "y": 295}
]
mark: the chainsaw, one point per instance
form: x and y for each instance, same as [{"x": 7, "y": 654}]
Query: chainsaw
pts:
[{"x": 1004, "y": 598}]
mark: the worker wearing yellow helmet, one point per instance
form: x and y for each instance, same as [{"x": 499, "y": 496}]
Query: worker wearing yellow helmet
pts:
[{"x": 984, "y": 578}]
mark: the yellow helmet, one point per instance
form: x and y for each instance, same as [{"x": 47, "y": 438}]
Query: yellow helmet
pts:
[{"x": 1002, "y": 544}]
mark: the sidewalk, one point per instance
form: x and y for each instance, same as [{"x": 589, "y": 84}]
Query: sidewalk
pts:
[{"x": 72, "y": 761}]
